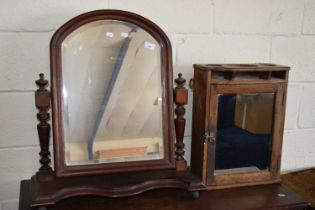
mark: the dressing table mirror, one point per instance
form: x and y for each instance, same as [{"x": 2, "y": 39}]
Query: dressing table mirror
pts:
[{"x": 112, "y": 100}]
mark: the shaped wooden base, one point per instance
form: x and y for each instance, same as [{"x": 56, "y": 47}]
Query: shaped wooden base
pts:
[
  {"x": 49, "y": 192},
  {"x": 267, "y": 197}
]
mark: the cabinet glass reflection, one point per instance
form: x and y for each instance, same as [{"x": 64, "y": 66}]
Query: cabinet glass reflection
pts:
[{"x": 244, "y": 133}]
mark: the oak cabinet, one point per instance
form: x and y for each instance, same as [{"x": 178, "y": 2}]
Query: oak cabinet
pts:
[{"x": 238, "y": 121}]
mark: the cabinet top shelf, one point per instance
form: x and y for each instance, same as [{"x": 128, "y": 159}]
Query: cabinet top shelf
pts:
[{"x": 257, "y": 67}]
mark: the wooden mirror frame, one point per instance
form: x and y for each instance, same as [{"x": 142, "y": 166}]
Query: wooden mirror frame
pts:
[
  {"x": 63, "y": 170},
  {"x": 109, "y": 179}
]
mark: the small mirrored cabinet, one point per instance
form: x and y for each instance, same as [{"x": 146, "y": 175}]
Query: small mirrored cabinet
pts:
[
  {"x": 118, "y": 124},
  {"x": 238, "y": 122}
]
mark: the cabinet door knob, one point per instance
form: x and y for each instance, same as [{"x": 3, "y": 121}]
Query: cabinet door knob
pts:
[{"x": 209, "y": 137}]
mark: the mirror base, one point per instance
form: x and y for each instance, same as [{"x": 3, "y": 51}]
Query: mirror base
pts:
[{"x": 49, "y": 192}]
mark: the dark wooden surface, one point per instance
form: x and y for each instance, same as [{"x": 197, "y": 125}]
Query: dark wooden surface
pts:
[
  {"x": 302, "y": 182},
  {"x": 255, "y": 197}
]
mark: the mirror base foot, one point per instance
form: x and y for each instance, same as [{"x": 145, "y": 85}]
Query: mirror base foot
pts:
[{"x": 194, "y": 194}]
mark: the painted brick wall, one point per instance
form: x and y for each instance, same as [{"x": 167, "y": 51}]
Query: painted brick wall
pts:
[{"x": 278, "y": 31}]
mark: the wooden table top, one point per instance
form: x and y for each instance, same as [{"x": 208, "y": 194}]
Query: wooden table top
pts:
[{"x": 274, "y": 196}]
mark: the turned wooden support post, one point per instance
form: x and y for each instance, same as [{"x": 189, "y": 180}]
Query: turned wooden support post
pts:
[
  {"x": 42, "y": 102},
  {"x": 181, "y": 98}
]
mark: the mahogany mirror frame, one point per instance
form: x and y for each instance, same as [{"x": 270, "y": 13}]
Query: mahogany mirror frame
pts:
[{"x": 168, "y": 161}]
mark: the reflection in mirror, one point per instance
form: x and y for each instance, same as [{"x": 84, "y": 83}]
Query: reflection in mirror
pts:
[
  {"x": 112, "y": 94},
  {"x": 244, "y": 133}
]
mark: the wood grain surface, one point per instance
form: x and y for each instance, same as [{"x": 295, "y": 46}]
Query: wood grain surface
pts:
[{"x": 266, "y": 197}]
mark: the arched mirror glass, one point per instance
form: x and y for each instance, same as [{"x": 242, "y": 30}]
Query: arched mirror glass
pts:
[{"x": 111, "y": 94}]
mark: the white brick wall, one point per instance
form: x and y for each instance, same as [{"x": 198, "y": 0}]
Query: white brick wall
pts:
[
  {"x": 10, "y": 204},
  {"x": 222, "y": 48},
  {"x": 307, "y": 112},
  {"x": 309, "y": 21},
  {"x": 297, "y": 52},
  {"x": 280, "y": 31},
  {"x": 172, "y": 16},
  {"x": 259, "y": 16},
  {"x": 18, "y": 119},
  {"x": 298, "y": 149},
  {"x": 37, "y": 15},
  {"x": 20, "y": 60},
  {"x": 16, "y": 164},
  {"x": 293, "y": 105}
]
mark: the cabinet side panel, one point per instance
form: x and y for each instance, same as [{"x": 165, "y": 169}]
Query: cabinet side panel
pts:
[{"x": 199, "y": 120}]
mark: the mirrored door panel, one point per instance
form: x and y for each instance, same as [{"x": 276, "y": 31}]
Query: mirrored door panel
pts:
[
  {"x": 112, "y": 94},
  {"x": 244, "y": 133}
]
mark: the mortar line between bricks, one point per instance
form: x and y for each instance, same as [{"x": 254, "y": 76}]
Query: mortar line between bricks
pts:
[
  {"x": 301, "y": 82},
  {"x": 258, "y": 34},
  {"x": 299, "y": 129},
  {"x": 307, "y": 34},
  {"x": 9, "y": 200},
  {"x": 17, "y": 91},
  {"x": 19, "y": 147},
  {"x": 241, "y": 34},
  {"x": 27, "y": 31}
]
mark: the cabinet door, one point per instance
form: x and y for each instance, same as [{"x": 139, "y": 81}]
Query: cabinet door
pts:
[{"x": 245, "y": 134}]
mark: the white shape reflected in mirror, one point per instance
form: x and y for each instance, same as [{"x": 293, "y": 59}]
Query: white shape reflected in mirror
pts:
[
  {"x": 124, "y": 34},
  {"x": 110, "y": 34},
  {"x": 149, "y": 45},
  {"x": 112, "y": 94}
]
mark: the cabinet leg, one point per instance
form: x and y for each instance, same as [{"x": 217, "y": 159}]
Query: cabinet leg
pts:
[{"x": 194, "y": 194}]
